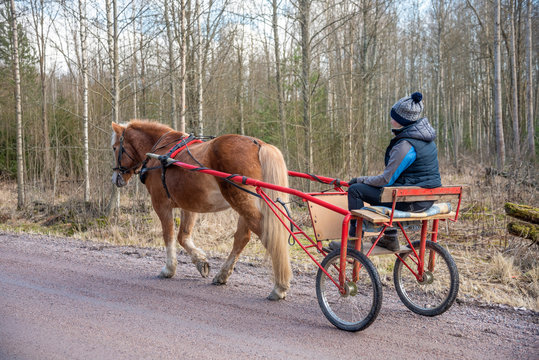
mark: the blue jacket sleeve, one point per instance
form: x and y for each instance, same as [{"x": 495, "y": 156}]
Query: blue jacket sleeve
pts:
[{"x": 400, "y": 158}]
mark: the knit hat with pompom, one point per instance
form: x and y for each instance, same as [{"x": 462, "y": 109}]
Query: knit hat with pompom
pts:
[{"x": 408, "y": 110}]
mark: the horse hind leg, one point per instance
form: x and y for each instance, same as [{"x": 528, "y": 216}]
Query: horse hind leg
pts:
[
  {"x": 272, "y": 234},
  {"x": 241, "y": 238},
  {"x": 198, "y": 257}
]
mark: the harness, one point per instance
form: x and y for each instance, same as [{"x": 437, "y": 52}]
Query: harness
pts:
[
  {"x": 184, "y": 144},
  {"x": 175, "y": 150}
]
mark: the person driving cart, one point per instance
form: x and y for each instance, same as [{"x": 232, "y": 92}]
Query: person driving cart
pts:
[{"x": 411, "y": 159}]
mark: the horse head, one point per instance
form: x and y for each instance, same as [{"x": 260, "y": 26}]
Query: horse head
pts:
[{"x": 125, "y": 154}]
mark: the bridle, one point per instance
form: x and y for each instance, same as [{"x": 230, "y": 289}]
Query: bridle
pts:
[{"x": 121, "y": 169}]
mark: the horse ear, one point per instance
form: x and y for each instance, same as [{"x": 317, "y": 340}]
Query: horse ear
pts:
[{"x": 117, "y": 128}]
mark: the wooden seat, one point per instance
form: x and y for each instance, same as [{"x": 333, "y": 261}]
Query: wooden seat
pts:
[
  {"x": 411, "y": 194},
  {"x": 376, "y": 218}
]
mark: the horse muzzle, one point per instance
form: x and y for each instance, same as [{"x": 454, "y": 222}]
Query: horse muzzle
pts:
[{"x": 118, "y": 179}]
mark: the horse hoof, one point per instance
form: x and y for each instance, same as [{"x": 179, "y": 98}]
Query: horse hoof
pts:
[
  {"x": 203, "y": 268},
  {"x": 218, "y": 282},
  {"x": 274, "y": 296},
  {"x": 166, "y": 273}
]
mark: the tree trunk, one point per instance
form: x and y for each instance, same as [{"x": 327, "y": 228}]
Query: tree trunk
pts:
[
  {"x": 171, "y": 67},
  {"x": 142, "y": 76},
  {"x": 239, "y": 88},
  {"x": 116, "y": 67},
  {"x": 134, "y": 73},
  {"x": 41, "y": 39},
  {"x": 526, "y": 231},
  {"x": 112, "y": 40},
  {"x": 183, "y": 59},
  {"x": 352, "y": 169},
  {"x": 18, "y": 108},
  {"x": 500, "y": 143},
  {"x": 522, "y": 212},
  {"x": 514, "y": 82},
  {"x": 529, "y": 85},
  {"x": 84, "y": 70},
  {"x": 305, "y": 22},
  {"x": 278, "y": 81},
  {"x": 200, "y": 90}
]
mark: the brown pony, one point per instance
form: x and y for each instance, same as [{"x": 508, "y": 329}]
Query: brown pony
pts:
[{"x": 195, "y": 192}]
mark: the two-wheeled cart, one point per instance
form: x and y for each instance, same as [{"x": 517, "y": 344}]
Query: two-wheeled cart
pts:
[{"x": 348, "y": 286}]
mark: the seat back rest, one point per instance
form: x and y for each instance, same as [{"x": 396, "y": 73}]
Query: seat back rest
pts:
[
  {"x": 416, "y": 193},
  {"x": 327, "y": 224}
]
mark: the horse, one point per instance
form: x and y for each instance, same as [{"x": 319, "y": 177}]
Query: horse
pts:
[{"x": 194, "y": 192}]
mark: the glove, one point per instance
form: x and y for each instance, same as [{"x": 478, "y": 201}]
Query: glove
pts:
[{"x": 356, "y": 180}]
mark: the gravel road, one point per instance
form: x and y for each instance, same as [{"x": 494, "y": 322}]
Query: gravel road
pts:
[{"x": 63, "y": 298}]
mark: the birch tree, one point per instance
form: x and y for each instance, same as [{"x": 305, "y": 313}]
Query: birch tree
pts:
[
  {"x": 171, "y": 63},
  {"x": 83, "y": 32},
  {"x": 199, "y": 67},
  {"x": 278, "y": 79},
  {"x": 182, "y": 38},
  {"x": 18, "y": 107}
]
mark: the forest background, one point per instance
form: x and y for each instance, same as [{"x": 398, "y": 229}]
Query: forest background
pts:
[{"x": 316, "y": 78}]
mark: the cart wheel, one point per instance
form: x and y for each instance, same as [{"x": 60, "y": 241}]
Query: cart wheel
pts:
[
  {"x": 358, "y": 307},
  {"x": 438, "y": 289}
]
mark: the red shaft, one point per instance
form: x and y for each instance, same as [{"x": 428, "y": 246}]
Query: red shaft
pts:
[{"x": 253, "y": 182}]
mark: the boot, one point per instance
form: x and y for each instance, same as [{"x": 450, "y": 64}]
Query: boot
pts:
[
  {"x": 351, "y": 243},
  {"x": 351, "y": 233},
  {"x": 389, "y": 240},
  {"x": 334, "y": 245},
  {"x": 352, "y": 228}
]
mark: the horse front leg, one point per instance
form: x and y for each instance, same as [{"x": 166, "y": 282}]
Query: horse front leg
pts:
[
  {"x": 198, "y": 257},
  {"x": 167, "y": 224},
  {"x": 241, "y": 238}
]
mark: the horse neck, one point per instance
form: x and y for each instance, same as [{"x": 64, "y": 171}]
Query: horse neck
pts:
[{"x": 147, "y": 139}]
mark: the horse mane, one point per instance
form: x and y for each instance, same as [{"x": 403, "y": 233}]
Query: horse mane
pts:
[{"x": 149, "y": 127}]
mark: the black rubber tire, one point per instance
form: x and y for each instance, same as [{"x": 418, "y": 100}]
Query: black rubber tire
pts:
[
  {"x": 427, "y": 299},
  {"x": 352, "y": 312}
]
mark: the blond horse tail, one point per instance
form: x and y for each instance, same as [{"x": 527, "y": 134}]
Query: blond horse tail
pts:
[{"x": 274, "y": 234}]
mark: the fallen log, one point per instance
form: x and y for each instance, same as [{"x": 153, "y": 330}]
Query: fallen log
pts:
[
  {"x": 523, "y": 212},
  {"x": 524, "y": 230}
]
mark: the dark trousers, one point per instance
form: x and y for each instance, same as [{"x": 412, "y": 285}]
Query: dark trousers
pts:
[{"x": 358, "y": 193}]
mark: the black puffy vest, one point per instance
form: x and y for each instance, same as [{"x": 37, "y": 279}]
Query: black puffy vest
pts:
[{"x": 424, "y": 171}]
